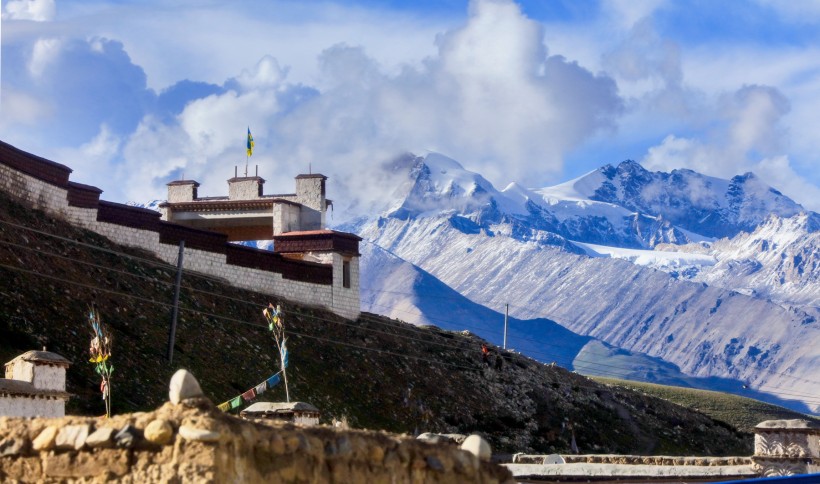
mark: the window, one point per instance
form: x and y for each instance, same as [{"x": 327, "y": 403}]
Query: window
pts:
[{"x": 346, "y": 274}]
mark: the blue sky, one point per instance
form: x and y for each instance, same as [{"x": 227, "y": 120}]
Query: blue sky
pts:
[{"x": 134, "y": 94}]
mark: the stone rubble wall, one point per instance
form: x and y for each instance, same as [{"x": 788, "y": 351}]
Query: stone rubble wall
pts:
[
  {"x": 194, "y": 442},
  {"x": 44, "y": 185}
]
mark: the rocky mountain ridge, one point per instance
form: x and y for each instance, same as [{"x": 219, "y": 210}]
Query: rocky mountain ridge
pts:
[{"x": 531, "y": 248}]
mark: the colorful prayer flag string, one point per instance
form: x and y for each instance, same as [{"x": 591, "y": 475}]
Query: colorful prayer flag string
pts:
[
  {"x": 100, "y": 350},
  {"x": 250, "y": 394},
  {"x": 276, "y": 324}
]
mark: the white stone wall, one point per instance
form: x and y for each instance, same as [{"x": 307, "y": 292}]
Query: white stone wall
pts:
[
  {"x": 22, "y": 370},
  {"x": 40, "y": 194},
  {"x": 346, "y": 301},
  {"x": 20, "y": 406},
  {"x": 244, "y": 189},
  {"x": 49, "y": 377},
  {"x": 309, "y": 194},
  {"x": 181, "y": 193},
  {"x": 285, "y": 218}
]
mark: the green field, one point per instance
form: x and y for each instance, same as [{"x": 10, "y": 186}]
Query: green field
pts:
[{"x": 740, "y": 412}]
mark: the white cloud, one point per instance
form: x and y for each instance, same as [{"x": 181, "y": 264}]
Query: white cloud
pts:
[
  {"x": 749, "y": 130},
  {"x": 92, "y": 161},
  {"x": 750, "y": 138},
  {"x": 37, "y": 10},
  {"x": 490, "y": 97},
  {"x": 344, "y": 88},
  {"x": 44, "y": 53},
  {"x": 20, "y": 108},
  {"x": 266, "y": 74},
  {"x": 626, "y": 13},
  {"x": 778, "y": 172}
]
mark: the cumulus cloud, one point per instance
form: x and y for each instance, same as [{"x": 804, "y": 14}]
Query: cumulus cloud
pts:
[
  {"x": 750, "y": 131},
  {"x": 491, "y": 98},
  {"x": 750, "y": 137},
  {"x": 37, "y": 10},
  {"x": 44, "y": 53},
  {"x": 93, "y": 157},
  {"x": 490, "y": 94}
]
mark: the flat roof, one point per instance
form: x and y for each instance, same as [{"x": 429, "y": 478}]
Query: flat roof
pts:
[
  {"x": 42, "y": 357},
  {"x": 279, "y": 408}
]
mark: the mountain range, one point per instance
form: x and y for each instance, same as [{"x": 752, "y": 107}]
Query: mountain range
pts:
[{"x": 667, "y": 277}]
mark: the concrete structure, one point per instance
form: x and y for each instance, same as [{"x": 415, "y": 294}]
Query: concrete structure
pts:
[
  {"x": 782, "y": 448},
  {"x": 294, "y": 412},
  {"x": 787, "y": 447},
  {"x": 45, "y": 185},
  {"x": 247, "y": 213},
  {"x": 34, "y": 386}
]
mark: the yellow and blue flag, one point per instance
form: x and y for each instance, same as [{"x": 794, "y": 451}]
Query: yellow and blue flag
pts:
[{"x": 250, "y": 142}]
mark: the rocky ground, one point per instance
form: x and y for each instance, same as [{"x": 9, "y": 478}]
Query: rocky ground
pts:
[{"x": 375, "y": 372}]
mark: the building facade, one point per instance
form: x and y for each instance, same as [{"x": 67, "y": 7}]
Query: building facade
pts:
[
  {"x": 34, "y": 385},
  {"x": 43, "y": 184}
]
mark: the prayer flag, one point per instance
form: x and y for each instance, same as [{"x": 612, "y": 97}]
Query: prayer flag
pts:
[
  {"x": 224, "y": 406},
  {"x": 250, "y": 142},
  {"x": 236, "y": 402},
  {"x": 249, "y": 395},
  {"x": 272, "y": 381},
  {"x": 260, "y": 389}
]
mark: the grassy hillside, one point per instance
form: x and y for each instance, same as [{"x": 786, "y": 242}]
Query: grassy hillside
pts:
[
  {"x": 379, "y": 373},
  {"x": 739, "y": 412}
]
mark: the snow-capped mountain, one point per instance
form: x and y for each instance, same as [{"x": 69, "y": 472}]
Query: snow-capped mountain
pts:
[
  {"x": 532, "y": 248},
  {"x": 623, "y": 206},
  {"x": 711, "y": 207}
]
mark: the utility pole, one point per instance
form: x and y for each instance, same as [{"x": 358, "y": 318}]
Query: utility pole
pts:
[
  {"x": 172, "y": 332},
  {"x": 506, "y": 315}
]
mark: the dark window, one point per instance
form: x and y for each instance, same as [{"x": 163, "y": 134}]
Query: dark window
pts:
[{"x": 346, "y": 273}]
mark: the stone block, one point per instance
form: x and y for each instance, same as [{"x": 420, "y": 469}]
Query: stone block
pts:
[
  {"x": 183, "y": 386},
  {"x": 101, "y": 438},
  {"x": 45, "y": 440},
  {"x": 159, "y": 431},
  {"x": 72, "y": 436}
]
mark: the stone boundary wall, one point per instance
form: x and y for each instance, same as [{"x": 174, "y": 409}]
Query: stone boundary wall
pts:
[
  {"x": 194, "y": 442},
  {"x": 45, "y": 185}
]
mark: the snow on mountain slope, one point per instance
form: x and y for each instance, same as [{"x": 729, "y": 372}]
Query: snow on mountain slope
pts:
[
  {"x": 440, "y": 183},
  {"x": 705, "y": 205},
  {"x": 780, "y": 261},
  {"x": 666, "y": 260},
  {"x": 436, "y": 184},
  {"x": 705, "y": 331}
]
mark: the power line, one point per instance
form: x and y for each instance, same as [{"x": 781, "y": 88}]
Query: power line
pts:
[
  {"x": 260, "y": 326},
  {"x": 563, "y": 325},
  {"x": 170, "y": 267},
  {"x": 219, "y": 295}
]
